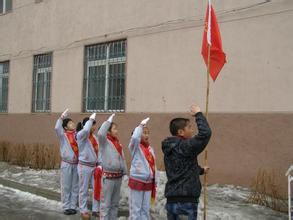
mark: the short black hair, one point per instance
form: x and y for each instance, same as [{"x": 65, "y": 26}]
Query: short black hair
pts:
[
  {"x": 65, "y": 122},
  {"x": 176, "y": 124}
]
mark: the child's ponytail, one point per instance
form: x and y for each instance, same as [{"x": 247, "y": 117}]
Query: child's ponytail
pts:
[{"x": 79, "y": 127}]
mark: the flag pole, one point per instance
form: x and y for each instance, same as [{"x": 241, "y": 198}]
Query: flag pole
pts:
[{"x": 206, "y": 151}]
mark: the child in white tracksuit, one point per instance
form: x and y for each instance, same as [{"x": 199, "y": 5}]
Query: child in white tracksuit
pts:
[
  {"x": 88, "y": 164},
  {"x": 114, "y": 167},
  {"x": 65, "y": 130},
  {"x": 142, "y": 181}
]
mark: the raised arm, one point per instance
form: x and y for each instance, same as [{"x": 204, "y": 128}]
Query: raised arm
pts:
[
  {"x": 136, "y": 136},
  {"x": 85, "y": 132},
  {"x": 102, "y": 133},
  {"x": 58, "y": 126},
  {"x": 201, "y": 140},
  {"x": 197, "y": 144}
]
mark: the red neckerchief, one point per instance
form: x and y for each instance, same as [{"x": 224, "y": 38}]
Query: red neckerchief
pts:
[
  {"x": 97, "y": 182},
  {"x": 94, "y": 143},
  {"x": 145, "y": 147},
  {"x": 116, "y": 143},
  {"x": 71, "y": 138}
]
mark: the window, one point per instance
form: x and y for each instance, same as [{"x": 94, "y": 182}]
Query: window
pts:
[
  {"x": 104, "y": 78},
  {"x": 5, "y": 6},
  {"x": 42, "y": 82},
  {"x": 4, "y": 70}
]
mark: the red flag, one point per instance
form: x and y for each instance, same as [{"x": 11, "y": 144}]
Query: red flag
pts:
[{"x": 212, "y": 37}]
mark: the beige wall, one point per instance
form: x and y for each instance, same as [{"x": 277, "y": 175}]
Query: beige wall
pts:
[
  {"x": 67, "y": 80},
  {"x": 20, "y": 85},
  {"x": 257, "y": 77},
  {"x": 165, "y": 71}
]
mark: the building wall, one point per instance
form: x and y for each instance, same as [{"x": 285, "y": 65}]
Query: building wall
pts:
[
  {"x": 20, "y": 85},
  {"x": 67, "y": 79},
  {"x": 256, "y": 37},
  {"x": 256, "y": 78},
  {"x": 251, "y": 112}
]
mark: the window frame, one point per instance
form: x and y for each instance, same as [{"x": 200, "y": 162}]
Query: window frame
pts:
[
  {"x": 107, "y": 61},
  {"x": 38, "y": 69},
  {"x": 4, "y": 9},
  {"x": 2, "y": 76}
]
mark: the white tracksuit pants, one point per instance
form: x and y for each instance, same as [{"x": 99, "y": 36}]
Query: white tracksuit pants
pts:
[
  {"x": 69, "y": 185},
  {"x": 139, "y": 204},
  {"x": 110, "y": 197},
  {"x": 86, "y": 177}
]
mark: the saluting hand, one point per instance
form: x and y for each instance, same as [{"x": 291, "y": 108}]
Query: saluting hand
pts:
[
  {"x": 93, "y": 116},
  {"x": 65, "y": 114},
  {"x": 144, "y": 121},
  {"x": 110, "y": 119}
]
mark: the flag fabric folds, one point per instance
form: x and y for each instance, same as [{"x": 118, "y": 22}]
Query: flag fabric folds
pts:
[{"x": 212, "y": 38}]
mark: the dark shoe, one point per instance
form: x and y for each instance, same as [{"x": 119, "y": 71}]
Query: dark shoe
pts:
[
  {"x": 67, "y": 212},
  {"x": 73, "y": 211},
  {"x": 95, "y": 214}
]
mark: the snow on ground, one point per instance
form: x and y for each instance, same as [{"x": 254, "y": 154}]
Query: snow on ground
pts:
[
  {"x": 40, "y": 202},
  {"x": 224, "y": 202},
  {"x": 46, "y": 179},
  {"x": 19, "y": 205}
]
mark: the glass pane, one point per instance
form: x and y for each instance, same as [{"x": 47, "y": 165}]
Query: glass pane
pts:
[
  {"x": 90, "y": 53},
  {"x": 4, "y": 94},
  {"x": 116, "y": 86},
  {"x": 101, "y": 87},
  {"x": 102, "y": 52},
  {"x": 1, "y": 6},
  {"x": 122, "y": 87},
  {"x": 40, "y": 91},
  {"x": 96, "y": 52},
  {"x": 42, "y": 82},
  {"x": 95, "y": 77},
  {"x": 96, "y": 88},
  {"x": 47, "y": 97},
  {"x": 92, "y": 81},
  {"x": 4, "y": 68},
  {"x": 117, "y": 49},
  {"x": 8, "y": 5}
]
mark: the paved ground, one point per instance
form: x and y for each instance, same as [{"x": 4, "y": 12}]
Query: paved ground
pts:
[{"x": 18, "y": 205}]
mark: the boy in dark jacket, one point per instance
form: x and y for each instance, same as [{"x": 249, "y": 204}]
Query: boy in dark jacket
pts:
[{"x": 183, "y": 187}]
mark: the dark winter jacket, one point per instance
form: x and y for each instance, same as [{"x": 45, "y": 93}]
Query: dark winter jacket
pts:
[{"x": 182, "y": 169}]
